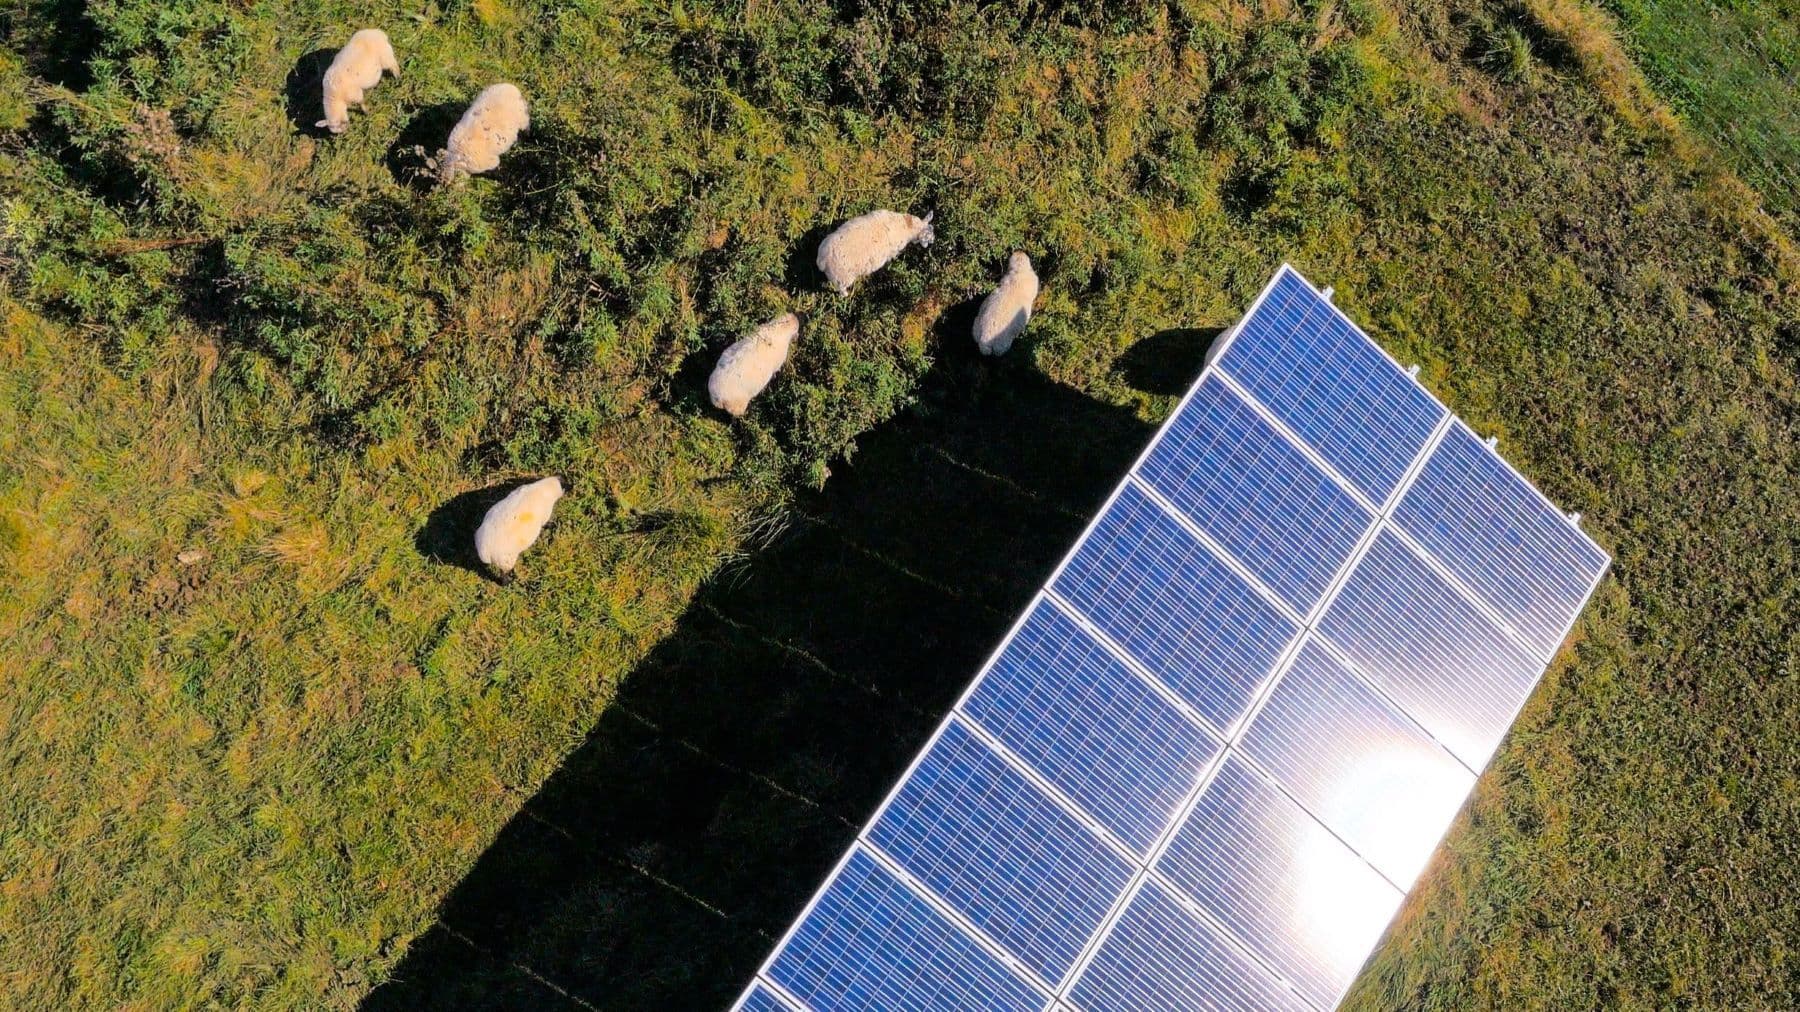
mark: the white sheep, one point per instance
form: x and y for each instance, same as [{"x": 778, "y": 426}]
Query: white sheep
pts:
[
  {"x": 513, "y": 525},
  {"x": 354, "y": 70},
  {"x": 486, "y": 131},
  {"x": 1007, "y": 309},
  {"x": 750, "y": 363},
  {"x": 865, "y": 243}
]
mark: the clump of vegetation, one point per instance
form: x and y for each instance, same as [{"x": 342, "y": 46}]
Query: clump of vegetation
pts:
[
  {"x": 255, "y": 380},
  {"x": 1510, "y": 56}
]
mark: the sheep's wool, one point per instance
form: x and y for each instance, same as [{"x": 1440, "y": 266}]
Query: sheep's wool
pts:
[
  {"x": 1005, "y": 312},
  {"x": 354, "y": 70},
  {"x": 486, "y": 131},
  {"x": 865, "y": 244},
  {"x": 513, "y": 524},
  {"x": 750, "y": 363}
]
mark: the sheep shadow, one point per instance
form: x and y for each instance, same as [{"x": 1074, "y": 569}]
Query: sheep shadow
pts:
[
  {"x": 448, "y": 534},
  {"x": 954, "y": 331},
  {"x": 802, "y": 273},
  {"x": 685, "y": 390},
  {"x": 657, "y": 867},
  {"x": 70, "y": 42},
  {"x": 304, "y": 92},
  {"x": 546, "y": 157},
  {"x": 421, "y": 138},
  {"x": 1166, "y": 362}
]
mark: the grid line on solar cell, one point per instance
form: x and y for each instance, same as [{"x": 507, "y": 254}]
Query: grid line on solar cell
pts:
[
  {"x": 1379, "y": 781},
  {"x": 1430, "y": 650},
  {"x": 1499, "y": 536},
  {"x": 908, "y": 956},
  {"x": 1254, "y": 493},
  {"x": 1051, "y": 792},
  {"x": 1161, "y": 956},
  {"x": 1280, "y": 881},
  {"x": 1462, "y": 590},
  {"x": 981, "y": 836},
  {"x": 1119, "y": 654},
  {"x": 1146, "y": 870},
  {"x": 1090, "y": 726},
  {"x": 1219, "y": 553},
  {"x": 1294, "y": 439},
  {"x": 1300, "y": 357},
  {"x": 1173, "y": 606}
]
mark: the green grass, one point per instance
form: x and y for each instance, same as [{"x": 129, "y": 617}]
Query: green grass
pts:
[
  {"x": 1732, "y": 68},
  {"x": 250, "y": 778}
]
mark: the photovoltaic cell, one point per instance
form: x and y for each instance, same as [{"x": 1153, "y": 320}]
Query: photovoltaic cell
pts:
[
  {"x": 1244, "y": 484},
  {"x": 1000, "y": 852},
  {"x": 1163, "y": 792},
  {"x": 761, "y": 999},
  {"x": 1161, "y": 957},
  {"x": 1175, "y": 607},
  {"x": 1280, "y": 881},
  {"x": 1519, "y": 553},
  {"x": 1090, "y": 726},
  {"x": 1312, "y": 370},
  {"x": 1365, "y": 771},
  {"x": 872, "y": 943},
  {"x": 1447, "y": 665}
]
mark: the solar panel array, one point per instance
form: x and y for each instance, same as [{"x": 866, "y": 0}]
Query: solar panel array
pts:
[{"x": 1208, "y": 761}]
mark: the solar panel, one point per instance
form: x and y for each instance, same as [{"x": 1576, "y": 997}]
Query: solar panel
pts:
[{"x": 1205, "y": 765}]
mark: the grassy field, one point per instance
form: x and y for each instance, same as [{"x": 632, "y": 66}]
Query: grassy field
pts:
[
  {"x": 260, "y": 724},
  {"x": 1732, "y": 68}
]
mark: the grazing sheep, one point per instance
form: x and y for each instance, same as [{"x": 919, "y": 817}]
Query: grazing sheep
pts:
[
  {"x": 513, "y": 525},
  {"x": 1007, "y": 309},
  {"x": 864, "y": 245},
  {"x": 486, "y": 131},
  {"x": 750, "y": 363},
  {"x": 354, "y": 70}
]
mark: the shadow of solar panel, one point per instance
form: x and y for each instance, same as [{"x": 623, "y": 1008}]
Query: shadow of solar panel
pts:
[{"x": 1206, "y": 764}]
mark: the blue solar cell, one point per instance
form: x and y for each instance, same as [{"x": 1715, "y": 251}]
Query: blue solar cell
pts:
[
  {"x": 761, "y": 999},
  {"x": 1174, "y": 607},
  {"x": 1090, "y": 726},
  {"x": 1246, "y": 486},
  {"x": 1443, "y": 661},
  {"x": 1359, "y": 767},
  {"x": 1001, "y": 852},
  {"x": 1477, "y": 516},
  {"x": 1280, "y": 882},
  {"x": 1160, "y": 957},
  {"x": 1333, "y": 387},
  {"x": 872, "y": 943}
]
